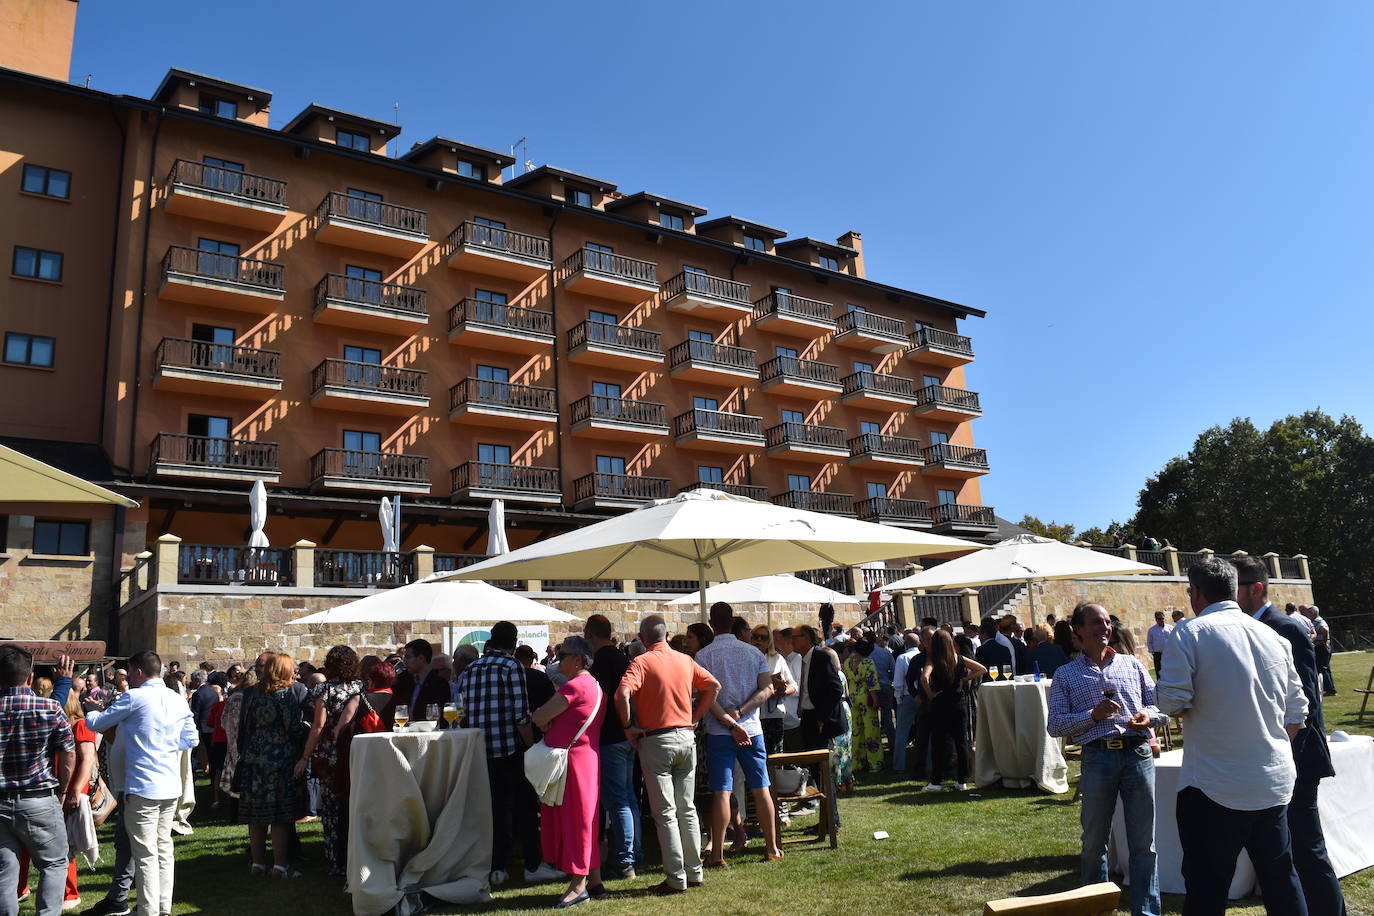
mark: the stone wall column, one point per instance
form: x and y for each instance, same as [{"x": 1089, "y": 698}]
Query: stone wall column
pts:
[
  {"x": 1130, "y": 553},
  {"x": 534, "y": 585},
  {"x": 1207, "y": 553},
  {"x": 1271, "y": 563},
  {"x": 424, "y": 561},
  {"x": 168, "y": 549},
  {"x": 1171, "y": 564},
  {"x": 856, "y": 581},
  {"x": 629, "y": 586},
  {"x": 904, "y": 611},
  {"x": 968, "y": 605},
  {"x": 304, "y": 556},
  {"x": 1304, "y": 570}
]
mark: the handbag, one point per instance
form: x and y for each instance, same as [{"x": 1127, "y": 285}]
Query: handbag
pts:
[
  {"x": 102, "y": 801},
  {"x": 547, "y": 767}
]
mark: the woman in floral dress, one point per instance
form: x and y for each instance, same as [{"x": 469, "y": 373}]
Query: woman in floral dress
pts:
[
  {"x": 863, "y": 689},
  {"x": 339, "y": 691},
  {"x": 272, "y": 793},
  {"x": 841, "y": 753}
]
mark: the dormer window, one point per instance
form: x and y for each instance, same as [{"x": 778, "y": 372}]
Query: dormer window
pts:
[
  {"x": 471, "y": 170},
  {"x": 829, "y": 263},
  {"x": 755, "y": 243},
  {"x": 353, "y": 140},
  {"x": 670, "y": 221},
  {"x": 579, "y": 198},
  {"x": 218, "y": 107}
]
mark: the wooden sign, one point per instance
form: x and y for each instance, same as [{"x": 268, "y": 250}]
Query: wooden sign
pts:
[{"x": 47, "y": 651}]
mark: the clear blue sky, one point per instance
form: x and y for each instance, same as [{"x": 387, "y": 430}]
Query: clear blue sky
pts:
[{"x": 1164, "y": 208}]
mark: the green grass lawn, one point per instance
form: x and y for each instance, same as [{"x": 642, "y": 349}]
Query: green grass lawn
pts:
[{"x": 945, "y": 854}]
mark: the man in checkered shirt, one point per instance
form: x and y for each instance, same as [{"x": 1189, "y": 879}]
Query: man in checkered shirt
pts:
[{"x": 33, "y": 730}]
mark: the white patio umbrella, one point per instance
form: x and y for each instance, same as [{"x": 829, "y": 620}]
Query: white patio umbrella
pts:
[
  {"x": 387, "y": 516},
  {"x": 1023, "y": 558},
  {"x": 496, "y": 529},
  {"x": 257, "y": 513},
  {"x": 782, "y": 588},
  {"x": 441, "y": 602},
  {"x": 708, "y": 535}
]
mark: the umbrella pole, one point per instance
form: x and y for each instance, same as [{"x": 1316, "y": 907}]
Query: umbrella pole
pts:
[
  {"x": 701, "y": 583},
  {"x": 1030, "y": 591}
]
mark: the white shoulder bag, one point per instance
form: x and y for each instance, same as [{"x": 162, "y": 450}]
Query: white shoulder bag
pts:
[{"x": 547, "y": 767}]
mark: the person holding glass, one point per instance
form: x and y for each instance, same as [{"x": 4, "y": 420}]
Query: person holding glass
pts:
[
  {"x": 272, "y": 792},
  {"x": 333, "y": 701},
  {"x": 946, "y": 681}
]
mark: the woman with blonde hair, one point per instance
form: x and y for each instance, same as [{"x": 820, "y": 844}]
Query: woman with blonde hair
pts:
[{"x": 270, "y": 741}]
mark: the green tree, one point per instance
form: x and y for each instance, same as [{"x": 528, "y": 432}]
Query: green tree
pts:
[{"x": 1050, "y": 529}]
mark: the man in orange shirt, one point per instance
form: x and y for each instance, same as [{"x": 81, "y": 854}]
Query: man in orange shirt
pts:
[{"x": 661, "y": 682}]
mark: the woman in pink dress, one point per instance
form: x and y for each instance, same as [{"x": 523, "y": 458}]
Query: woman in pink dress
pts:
[{"x": 568, "y": 831}]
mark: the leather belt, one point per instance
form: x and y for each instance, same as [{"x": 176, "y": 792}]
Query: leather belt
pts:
[
  {"x": 26, "y": 793},
  {"x": 649, "y": 733},
  {"x": 1116, "y": 744}
]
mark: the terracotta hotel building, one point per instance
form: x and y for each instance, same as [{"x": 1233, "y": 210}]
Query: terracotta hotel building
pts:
[{"x": 203, "y": 293}]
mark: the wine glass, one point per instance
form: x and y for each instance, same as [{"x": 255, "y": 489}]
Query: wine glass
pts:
[
  {"x": 432, "y": 712},
  {"x": 450, "y": 714},
  {"x": 1006, "y": 672},
  {"x": 402, "y": 716},
  {"x": 994, "y": 672}
]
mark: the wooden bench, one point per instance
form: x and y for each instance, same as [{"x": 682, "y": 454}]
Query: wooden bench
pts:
[
  {"x": 1091, "y": 900},
  {"x": 824, "y": 795},
  {"x": 1367, "y": 691}
]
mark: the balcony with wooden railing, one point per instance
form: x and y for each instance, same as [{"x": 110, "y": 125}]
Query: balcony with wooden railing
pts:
[
  {"x": 614, "y": 346},
  {"x": 813, "y": 501},
  {"x": 345, "y": 384},
  {"x": 860, "y": 329},
  {"x": 618, "y": 491},
  {"x": 235, "y": 564},
  {"x": 202, "y": 367},
  {"x": 711, "y": 362},
  {"x": 735, "y": 489},
  {"x": 696, "y": 293},
  {"x": 806, "y": 441},
  {"x": 609, "y": 276},
  {"x": 882, "y": 451},
  {"x": 370, "y": 305},
  {"x": 498, "y": 326},
  {"x": 718, "y": 431},
  {"x": 788, "y": 313},
  {"x": 498, "y": 252},
  {"x": 878, "y": 390},
  {"x": 938, "y": 347},
  {"x": 796, "y": 377},
  {"x": 222, "y": 280},
  {"x": 363, "y": 568},
  {"x": 371, "y": 225},
  {"x": 620, "y": 419},
  {"x": 342, "y": 469},
  {"x": 178, "y": 455},
  {"x": 941, "y": 402},
  {"x": 888, "y": 510},
  {"x": 946, "y": 460},
  {"x": 954, "y": 518},
  {"x": 487, "y": 480},
  {"x": 486, "y": 402},
  {"x": 222, "y": 195}
]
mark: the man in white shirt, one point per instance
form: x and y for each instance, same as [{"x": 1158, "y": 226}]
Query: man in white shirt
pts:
[
  {"x": 1321, "y": 640},
  {"x": 1234, "y": 679},
  {"x": 155, "y": 727},
  {"x": 791, "y": 717},
  {"x": 907, "y": 702},
  {"x": 1155, "y": 639}
]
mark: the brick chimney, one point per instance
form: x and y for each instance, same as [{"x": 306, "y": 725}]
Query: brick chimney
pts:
[
  {"x": 852, "y": 239},
  {"x": 36, "y": 36}
]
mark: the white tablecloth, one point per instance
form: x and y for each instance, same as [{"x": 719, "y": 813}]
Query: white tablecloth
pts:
[
  {"x": 1013, "y": 746},
  {"x": 1346, "y": 803},
  {"x": 419, "y": 818}
]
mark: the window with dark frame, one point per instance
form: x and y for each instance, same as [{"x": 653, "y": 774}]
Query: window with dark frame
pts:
[
  {"x": 829, "y": 263},
  {"x": 352, "y": 140},
  {"x": 220, "y": 108},
  {"x": 61, "y": 539},
  {"x": 671, "y": 221},
  {"x": 471, "y": 170},
  {"x": 707, "y": 473},
  {"x": 755, "y": 243},
  {"x": 37, "y": 264},
  {"x": 579, "y": 198},
  {"x": 29, "y": 350},
  {"x": 39, "y": 179}
]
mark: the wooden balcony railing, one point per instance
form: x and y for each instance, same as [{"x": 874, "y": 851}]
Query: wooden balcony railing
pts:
[
  {"x": 213, "y": 452},
  {"x": 888, "y": 507},
  {"x": 353, "y": 464},
  {"x": 448, "y": 562},
  {"x": 337, "y": 205},
  {"x": 719, "y": 422},
  {"x": 712, "y": 353},
  {"x": 788, "y": 304},
  {"x": 956, "y": 514},
  {"x": 374, "y": 293},
  {"x": 960, "y": 455},
  {"x": 691, "y": 281},
  {"x": 201, "y": 355},
  {"x": 347, "y": 373},
  {"x": 207, "y": 265},
  {"x": 737, "y": 489},
  {"x": 506, "y": 241},
  {"x": 611, "y": 265},
  {"x": 618, "y": 336},
  {"x": 488, "y": 393},
  {"x": 1289, "y": 568},
  {"x": 957, "y": 398},
  {"x": 619, "y": 410},
  {"x": 807, "y": 370},
  {"x": 363, "y": 568},
  {"x": 620, "y": 486},
  {"x": 810, "y": 500},
  {"x": 942, "y": 340},
  {"x": 230, "y": 182},
  {"x": 501, "y": 316},
  {"x": 804, "y": 434},
  {"x": 879, "y": 444},
  {"x": 234, "y": 564},
  {"x": 872, "y": 323},
  {"x": 517, "y": 478},
  {"x": 879, "y": 383}
]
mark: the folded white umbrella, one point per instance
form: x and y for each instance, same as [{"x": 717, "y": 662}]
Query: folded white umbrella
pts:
[
  {"x": 779, "y": 589},
  {"x": 257, "y": 513},
  {"x": 443, "y": 602},
  {"x": 387, "y": 516},
  {"x": 707, "y": 535},
  {"x": 496, "y": 529}
]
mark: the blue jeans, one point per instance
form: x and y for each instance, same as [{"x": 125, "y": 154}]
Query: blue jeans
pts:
[
  {"x": 906, "y": 721},
  {"x": 1130, "y": 773},
  {"x": 35, "y": 822},
  {"x": 623, "y": 846}
]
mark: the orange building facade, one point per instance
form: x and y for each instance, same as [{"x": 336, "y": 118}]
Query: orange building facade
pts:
[{"x": 214, "y": 300}]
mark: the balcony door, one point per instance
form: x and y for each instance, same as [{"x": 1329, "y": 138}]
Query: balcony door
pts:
[
  {"x": 600, "y": 257},
  {"x": 213, "y": 347},
  {"x": 217, "y": 259},
  {"x": 610, "y": 476},
  {"x": 489, "y": 232},
  {"x": 363, "y": 284},
  {"x": 946, "y": 497},
  {"x": 701, "y": 345},
  {"x": 791, "y": 417},
  {"x": 363, "y": 205},
  {"x": 607, "y": 399},
  {"x": 707, "y": 412},
  {"x": 491, "y": 306},
  {"x": 929, "y": 380},
  {"x": 494, "y": 465},
  {"x": 869, "y": 428},
  {"x": 363, "y": 367},
  {"x": 875, "y": 490},
  {"x": 799, "y": 485},
  {"x": 493, "y": 384},
  {"x": 602, "y": 327},
  {"x": 938, "y": 438},
  {"x": 223, "y": 175},
  {"x": 211, "y": 445},
  {"x": 695, "y": 278},
  {"x": 710, "y": 474},
  {"x": 362, "y": 453}
]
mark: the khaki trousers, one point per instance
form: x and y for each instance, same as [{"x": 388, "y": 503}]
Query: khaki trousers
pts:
[
  {"x": 148, "y": 822},
  {"x": 669, "y": 762}
]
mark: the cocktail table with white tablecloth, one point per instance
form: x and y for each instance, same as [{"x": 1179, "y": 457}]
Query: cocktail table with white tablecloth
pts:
[
  {"x": 1345, "y": 801},
  {"x": 419, "y": 818},
  {"x": 1013, "y": 747}
]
